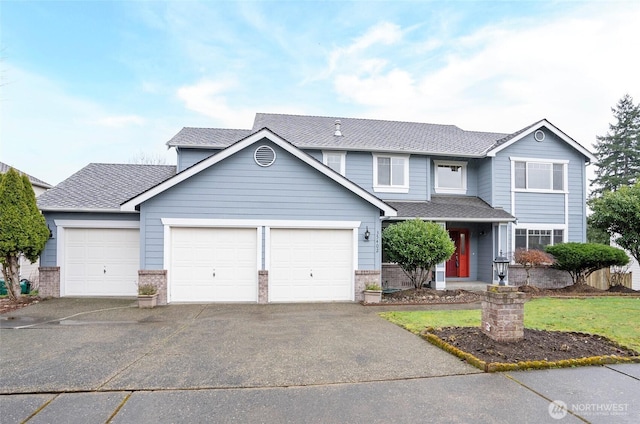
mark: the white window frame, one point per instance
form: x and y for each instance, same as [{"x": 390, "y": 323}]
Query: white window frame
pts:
[
  {"x": 527, "y": 161},
  {"x": 379, "y": 188},
  {"x": 450, "y": 190},
  {"x": 343, "y": 159},
  {"x": 550, "y": 227}
]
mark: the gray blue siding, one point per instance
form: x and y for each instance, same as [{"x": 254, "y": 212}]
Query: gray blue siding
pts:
[
  {"x": 237, "y": 188},
  {"x": 189, "y": 157}
]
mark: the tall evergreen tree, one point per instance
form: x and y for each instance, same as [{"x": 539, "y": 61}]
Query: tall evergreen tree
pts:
[
  {"x": 23, "y": 229},
  {"x": 618, "y": 152}
]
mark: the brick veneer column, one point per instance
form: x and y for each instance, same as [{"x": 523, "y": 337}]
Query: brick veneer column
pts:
[
  {"x": 49, "y": 281},
  {"x": 263, "y": 286},
  {"x": 157, "y": 277},
  {"x": 363, "y": 278},
  {"x": 503, "y": 313}
]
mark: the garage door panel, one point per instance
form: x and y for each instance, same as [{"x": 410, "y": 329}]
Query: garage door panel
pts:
[
  {"x": 311, "y": 265},
  {"x": 213, "y": 265},
  {"x": 101, "y": 261}
]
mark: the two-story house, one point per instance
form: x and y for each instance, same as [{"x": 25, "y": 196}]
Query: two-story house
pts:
[{"x": 292, "y": 210}]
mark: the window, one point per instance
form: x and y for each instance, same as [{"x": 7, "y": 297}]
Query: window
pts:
[
  {"x": 538, "y": 176},
  {"x": 537, "y": 238},
  {"x": 335, "y": 161},
  {"x": 391, "y": 174},
  {"x": 450, "y": 177}
]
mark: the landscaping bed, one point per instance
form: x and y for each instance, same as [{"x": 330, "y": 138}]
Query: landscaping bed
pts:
[
  {"x": 537, "y": 345},
  {"x": 419, "y": 296}
]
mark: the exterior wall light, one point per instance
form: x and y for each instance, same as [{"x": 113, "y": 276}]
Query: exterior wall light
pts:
[
  {"x": 501, "y": 263},
  {"x": 367, "y": 234}
]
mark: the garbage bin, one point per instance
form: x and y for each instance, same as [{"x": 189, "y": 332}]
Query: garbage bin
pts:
[{"x": 25, "y": 286}]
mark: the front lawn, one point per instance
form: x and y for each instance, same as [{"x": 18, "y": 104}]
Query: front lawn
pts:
[{"x": 617, "y": 318}]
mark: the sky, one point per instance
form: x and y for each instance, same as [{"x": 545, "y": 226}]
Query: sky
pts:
[{"x": 110, "y": 81}]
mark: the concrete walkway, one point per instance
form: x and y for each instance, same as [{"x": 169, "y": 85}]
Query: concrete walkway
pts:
[{"x": 88, "y": 360}]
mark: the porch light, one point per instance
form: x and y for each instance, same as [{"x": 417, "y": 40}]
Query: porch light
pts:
[
  {"x": 502, "y": 267},
  {"x": 367, "y": 233}
]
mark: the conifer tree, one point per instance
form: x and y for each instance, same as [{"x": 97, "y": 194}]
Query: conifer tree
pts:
[
  {"x": 618, "y": 152},
  {"x": 23, "y": 229}
]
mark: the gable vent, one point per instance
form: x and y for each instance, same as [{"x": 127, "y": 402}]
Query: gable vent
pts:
[{"x": 264, "y": 156}]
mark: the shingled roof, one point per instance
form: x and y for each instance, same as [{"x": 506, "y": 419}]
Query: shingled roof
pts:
[
  {"x": 34, "y": 181},
  {"x": 452, "y": 208},
  {"x": 207, "y": 137},
  {"x": 357, "y": 134},
  {"x": 102, "y": 186}
]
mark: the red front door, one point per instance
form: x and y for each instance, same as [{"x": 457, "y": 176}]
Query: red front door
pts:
[{"x": 458, "y": 265}]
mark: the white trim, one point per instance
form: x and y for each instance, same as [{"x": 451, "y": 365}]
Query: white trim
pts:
[
  {"x": 450, "y": 219},
  {"x": 258, "y": 136},
  {"x": 527, "y": 161},
  {"x": 273, "y": 223},
  {"x": 343, "y": 159},
  {"x": 378, "y": 188},
  {"x": 450, "y": 190},
  {"x": 553, "y": 129}
]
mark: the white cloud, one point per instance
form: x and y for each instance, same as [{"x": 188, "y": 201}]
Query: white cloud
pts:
[
  {"x": 207, "y": 98},
  {"x": 570, "y": 68}
]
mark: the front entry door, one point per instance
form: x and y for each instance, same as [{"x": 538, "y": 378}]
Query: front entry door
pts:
[{"x": 458, "y": 265}]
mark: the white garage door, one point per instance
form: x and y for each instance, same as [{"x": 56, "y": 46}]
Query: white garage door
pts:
[
  {"x": 213, "y": 265},
  {"x": 101, "y": 262},
  {"x": 310, "y": 265}
]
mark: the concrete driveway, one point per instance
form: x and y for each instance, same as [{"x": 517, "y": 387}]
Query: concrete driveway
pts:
[
  {"x": 106, "y": 361},
  {"x": 109, "y": 344}
]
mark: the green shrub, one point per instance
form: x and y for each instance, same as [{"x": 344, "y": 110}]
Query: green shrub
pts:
[
  {"x": 581, "y": 259},
  {"x": 417, "y": 246}
]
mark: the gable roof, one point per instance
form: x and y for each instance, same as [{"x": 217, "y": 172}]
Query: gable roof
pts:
[
  {"x": 452, "y": 208},
  {"x": 102, "y": 187},
  {"x": 34, "y": 181},
  {"x": 518, "y": 135},
  {"x": 133, "y": 203}
]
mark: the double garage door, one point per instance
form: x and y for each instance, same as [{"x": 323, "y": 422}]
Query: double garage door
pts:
[{"x": 221, "y": 264}]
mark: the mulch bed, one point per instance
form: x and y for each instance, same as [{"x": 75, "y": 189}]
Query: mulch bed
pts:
[
  {"x": 419, "y": 296},
  {"x": 537, "y": 345}
]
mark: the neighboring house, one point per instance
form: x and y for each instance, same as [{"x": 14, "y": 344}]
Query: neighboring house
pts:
[
  {"x": 293, "y": 208},
  {"x": 28, "y": 270}
]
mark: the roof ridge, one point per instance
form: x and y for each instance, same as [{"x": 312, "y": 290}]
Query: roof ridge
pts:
[{"x": 360, "y": 119}]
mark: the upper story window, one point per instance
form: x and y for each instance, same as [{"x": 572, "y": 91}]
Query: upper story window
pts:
[
  {"x": 335, "y": 161},
  {"x": 450, "y": 177},
  {"x": 539, "y": 175},
  {"x": 391, "y": 173}
]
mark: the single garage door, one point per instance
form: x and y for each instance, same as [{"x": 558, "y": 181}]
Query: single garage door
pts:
[
  {"x": 213, "y": 265},
  {"x": 101, "y": 261},
  {"x": 308, "y": 265}
]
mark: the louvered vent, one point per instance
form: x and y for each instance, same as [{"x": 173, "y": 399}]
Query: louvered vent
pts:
[{"x": 264, "y": 156}]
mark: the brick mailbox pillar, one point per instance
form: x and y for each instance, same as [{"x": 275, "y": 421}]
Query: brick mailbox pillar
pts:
[{"x": 503, "y": 313}]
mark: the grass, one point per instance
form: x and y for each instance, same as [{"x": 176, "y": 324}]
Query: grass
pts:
[{"x": 617, "y": 318}]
